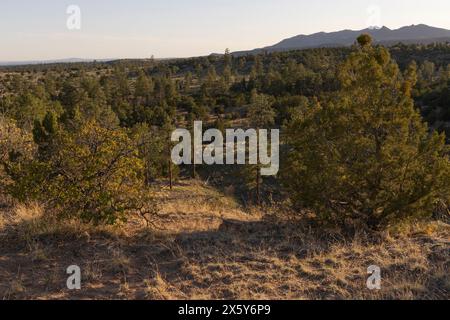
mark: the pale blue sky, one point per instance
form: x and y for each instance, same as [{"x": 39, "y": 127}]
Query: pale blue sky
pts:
[{"x": 36, "y": 29}]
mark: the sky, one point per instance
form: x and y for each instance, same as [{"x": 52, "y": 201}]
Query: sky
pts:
[{"x": 45, "y": 30}]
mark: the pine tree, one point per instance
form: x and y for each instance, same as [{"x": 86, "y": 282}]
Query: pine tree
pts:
[
  {"x": 143, "y": 89},
  {"x": 228, "y": 65},
  {"x": 261, "y": 116}
]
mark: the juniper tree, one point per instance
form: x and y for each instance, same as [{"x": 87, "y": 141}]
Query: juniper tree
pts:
[{"x": 366, "y": 154}]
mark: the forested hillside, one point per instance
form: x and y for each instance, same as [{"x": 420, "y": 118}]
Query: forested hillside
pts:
[
  {"x": 159, "y": 95},
  {"x": 364, "y": 152}
]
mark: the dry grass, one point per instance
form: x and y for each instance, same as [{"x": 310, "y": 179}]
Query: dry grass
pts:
[{"x": 193, "y": 254}]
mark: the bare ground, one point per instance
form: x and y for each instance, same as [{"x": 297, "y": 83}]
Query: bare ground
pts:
[{"x": 206, "y": 247}]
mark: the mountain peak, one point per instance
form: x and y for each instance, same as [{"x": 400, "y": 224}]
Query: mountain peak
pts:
[{"x": 420, "y": 33}]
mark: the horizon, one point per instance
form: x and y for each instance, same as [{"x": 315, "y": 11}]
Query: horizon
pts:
[
  {"x": 176, "y": 29},
  {"x": 105, "y": 59},
  {"x": 87, "y": 59}
]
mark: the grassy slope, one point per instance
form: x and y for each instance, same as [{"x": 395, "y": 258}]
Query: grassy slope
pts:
[{"x": 196, "y": 256}]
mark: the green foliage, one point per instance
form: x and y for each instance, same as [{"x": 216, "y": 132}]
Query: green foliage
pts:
[
  {"x": 154, "y": 150},
  {"x": 366, "y": 155},
  {"x": 260, "y": 112},
  {"x": 364, "y": 40},
  {"x": 44, "y": 132},
  {"x": 143, "y": 89},
  {"x": 94, "y": 174},
  {"x": 15, "y": 145}
]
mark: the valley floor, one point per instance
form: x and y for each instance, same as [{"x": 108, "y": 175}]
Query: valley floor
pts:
[{"x": 210, "y": 248}]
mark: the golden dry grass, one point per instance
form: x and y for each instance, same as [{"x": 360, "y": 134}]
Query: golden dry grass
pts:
[{"x": 193, "y": 254}]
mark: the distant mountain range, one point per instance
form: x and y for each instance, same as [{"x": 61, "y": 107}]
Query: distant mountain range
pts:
[
  {"x": 420, "y": 34},
  {"x": 35, "y": 62}
]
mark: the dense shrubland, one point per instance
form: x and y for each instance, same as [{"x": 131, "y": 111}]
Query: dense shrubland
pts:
[{"x": 90, "y": 140}]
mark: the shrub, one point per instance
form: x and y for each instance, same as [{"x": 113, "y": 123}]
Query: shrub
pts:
[
  {"x": 93, "y": 174},
  {"x": 16, "y": 144}
]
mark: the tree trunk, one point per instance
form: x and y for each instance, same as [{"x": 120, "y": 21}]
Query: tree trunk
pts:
[
  {"x": 170, "y": 170},
  {"x": 258, "y": 186},
  {"x": 147, "y": 175}
]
